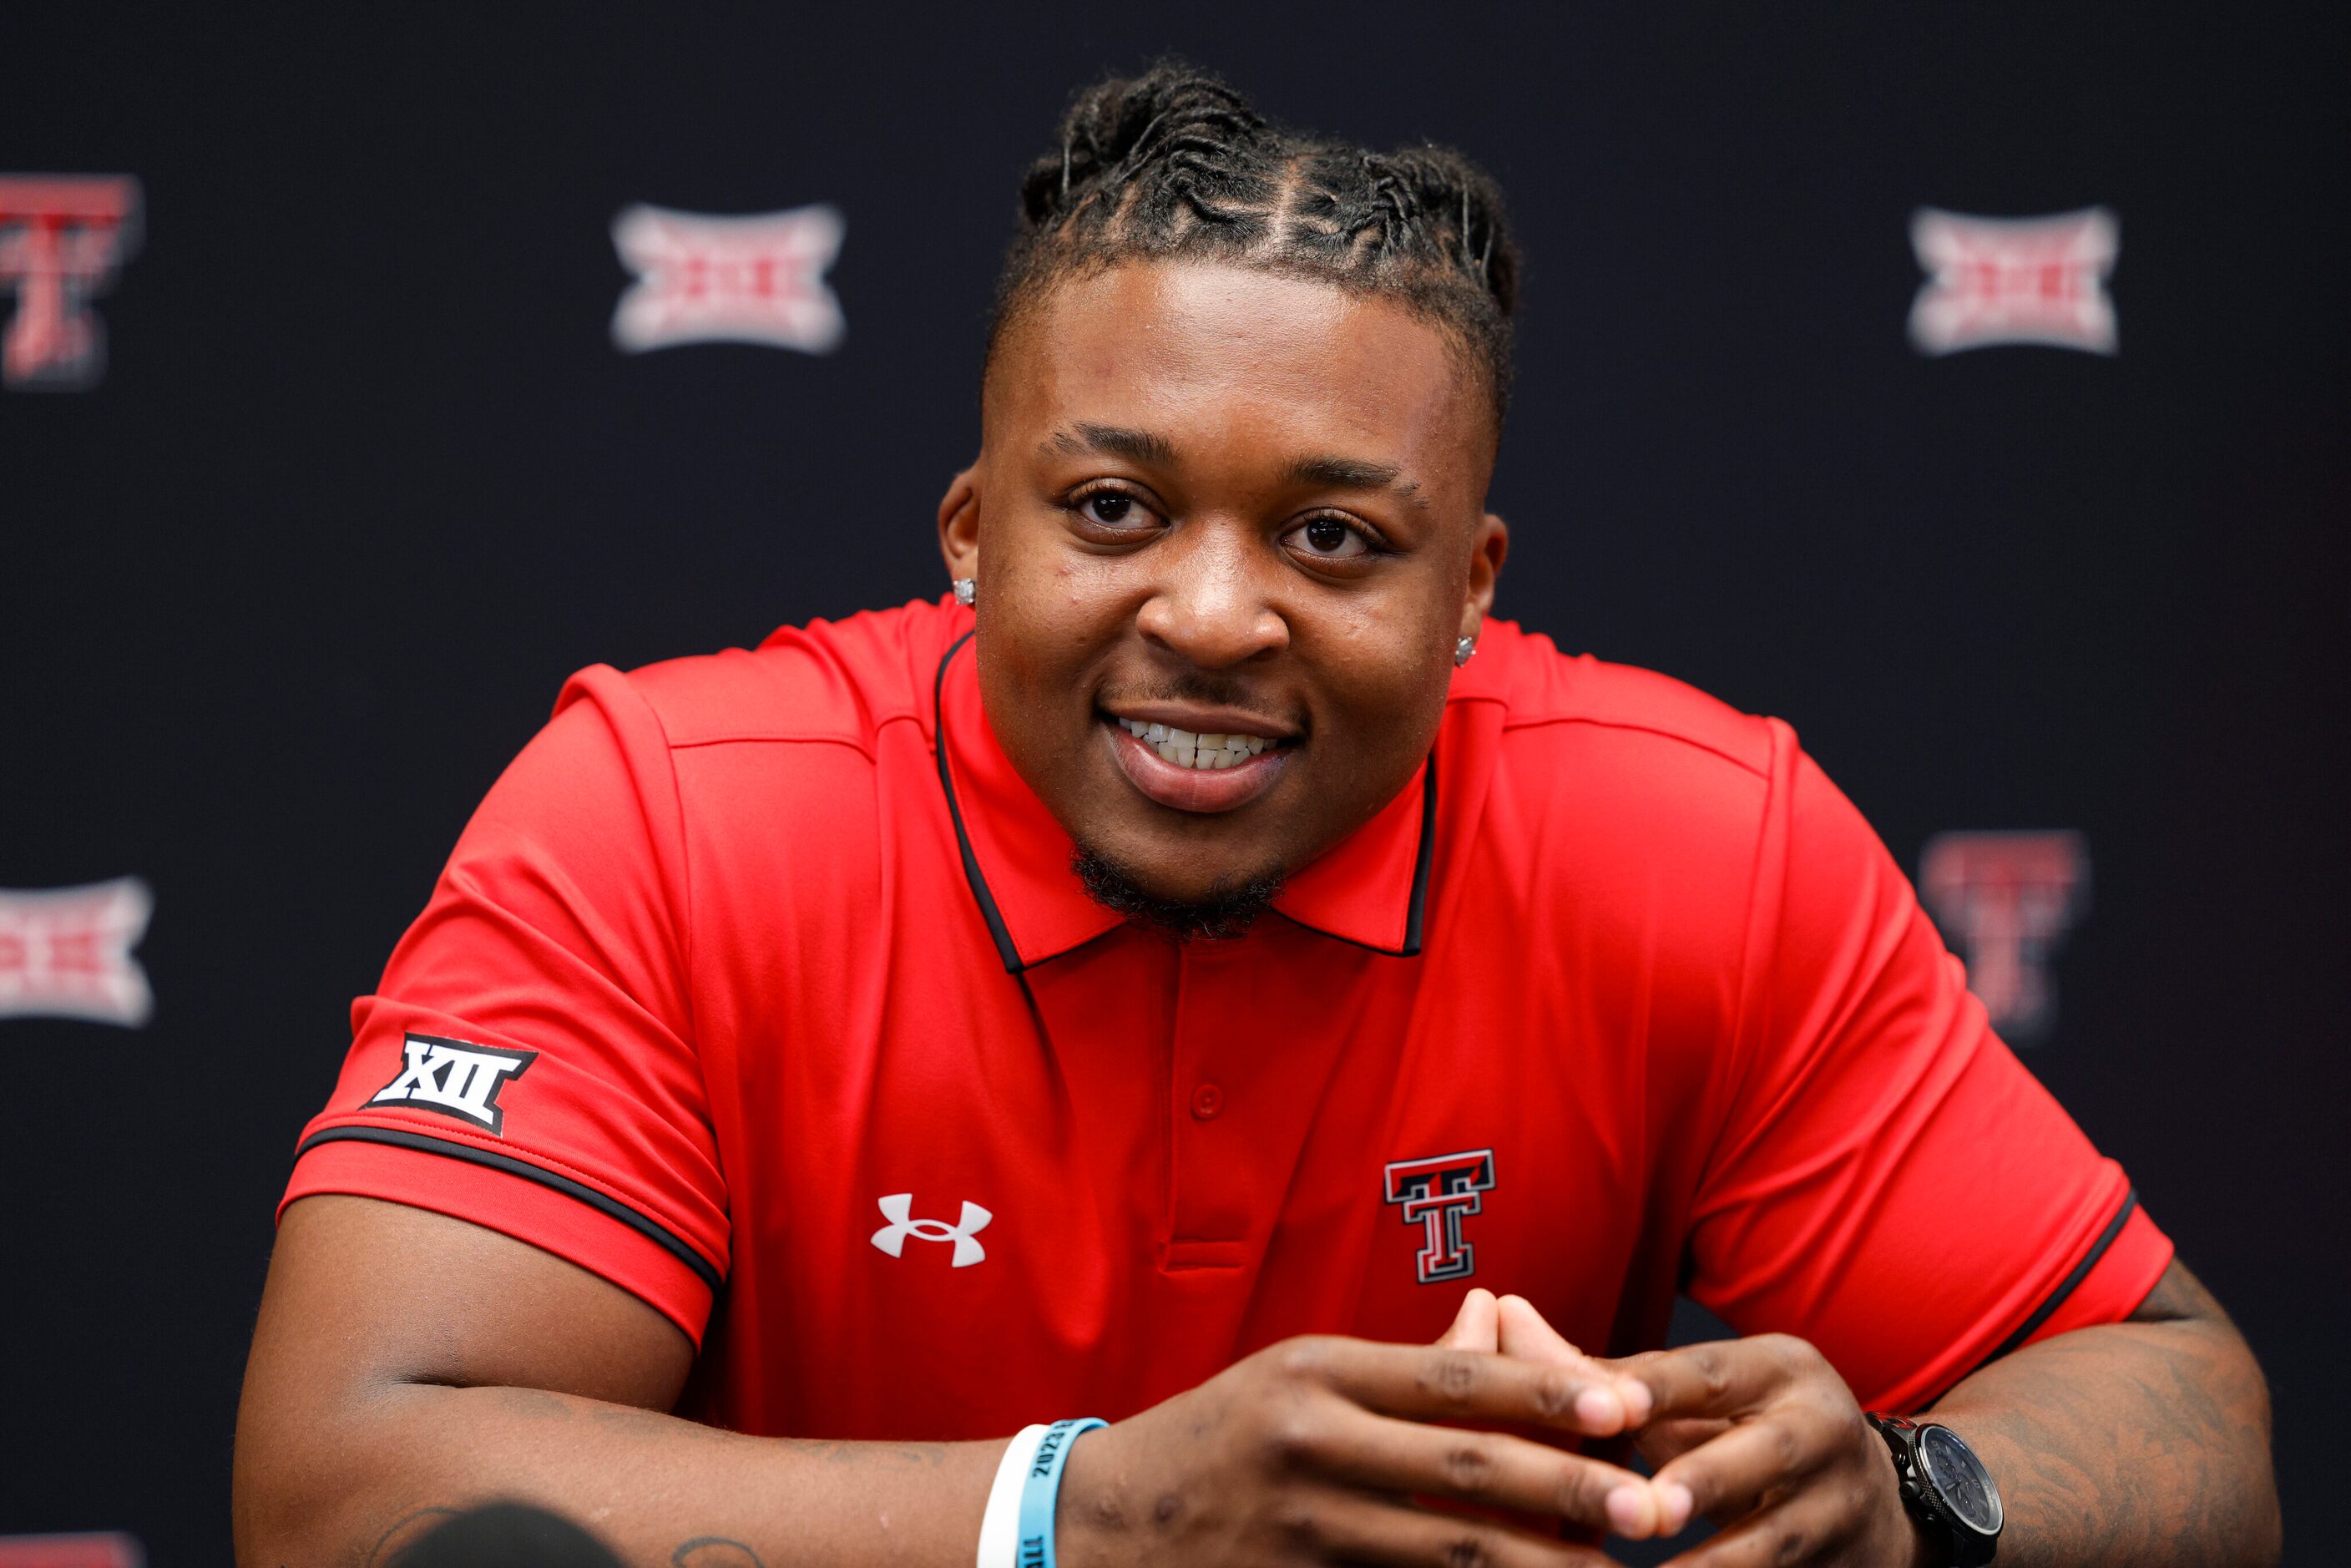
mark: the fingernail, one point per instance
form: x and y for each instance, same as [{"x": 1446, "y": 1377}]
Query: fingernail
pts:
[
  {"x": 1600, "y": 1407},
  {"x": 1674, "y": 1501},
  {"x": 1628, "y": 1510},
  {"x": 1636, "y": 1395}
]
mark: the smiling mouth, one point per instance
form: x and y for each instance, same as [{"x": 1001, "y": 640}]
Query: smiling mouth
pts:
[{"x": 1205, "y": 753}]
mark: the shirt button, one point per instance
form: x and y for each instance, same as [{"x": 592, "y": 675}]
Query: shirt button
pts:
[{"x": 1207, "y": 1100}]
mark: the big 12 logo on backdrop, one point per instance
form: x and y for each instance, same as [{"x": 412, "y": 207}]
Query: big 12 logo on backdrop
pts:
[{"x": 2014, "y": 280}]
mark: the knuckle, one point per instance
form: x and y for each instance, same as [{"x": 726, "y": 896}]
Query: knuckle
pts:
[
  {"x": 1471, "y": 1469},
  {"x": 1307, "y": 1356},
  {"x": 1298, "y": 1522},
  {"x": 1789, "y": 1543},
  {"x": 1580, "y": 1492},
  {"x": 1450, "y": 1375},
  {"x": 1554, "y": 1393},
  {"x": 1469, "y": 1551},
  {"x": 1787, "y": 1447},
  {"x": 1713, "y": 1371},
  {"x": 1294, "y": 1436}
]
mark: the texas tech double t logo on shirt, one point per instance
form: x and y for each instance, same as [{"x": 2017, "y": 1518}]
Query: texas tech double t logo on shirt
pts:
[
  {"x": 454, "y": 1077},
  {"x": 1435, "y": 1193}
]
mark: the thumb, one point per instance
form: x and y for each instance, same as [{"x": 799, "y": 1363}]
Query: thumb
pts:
[
  {"x": 1522, "y": 1331},
  {"x": 1474, "y": 1326}
]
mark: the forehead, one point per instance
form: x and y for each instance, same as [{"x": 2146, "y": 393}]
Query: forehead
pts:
[{"x": 1240, "y": 357}]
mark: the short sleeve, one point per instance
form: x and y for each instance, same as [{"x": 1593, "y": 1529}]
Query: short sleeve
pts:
[
  {"x": 526, "y": 1062},
  {"x": 1889, "y": 1181}
]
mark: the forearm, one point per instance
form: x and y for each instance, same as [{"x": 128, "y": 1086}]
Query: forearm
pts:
[
  {"x": 658, "y": 1489},
  {"x": 2134, "y": 1443}
]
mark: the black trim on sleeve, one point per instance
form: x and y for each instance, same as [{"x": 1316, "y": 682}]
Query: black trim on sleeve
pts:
[
  {"x": 613, "y": 1208},
  {"x": 2065, "y": 1288},
  {"x": 1004, "y": 948}
]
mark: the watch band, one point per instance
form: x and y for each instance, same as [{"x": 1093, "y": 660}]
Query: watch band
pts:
[{"x": 1956, "y": 1544}]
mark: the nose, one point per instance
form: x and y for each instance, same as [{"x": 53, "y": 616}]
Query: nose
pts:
[{"x": 1211, "y": 605}]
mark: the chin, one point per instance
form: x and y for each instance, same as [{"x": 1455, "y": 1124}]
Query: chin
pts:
[{"x": 1225, "y": 906}]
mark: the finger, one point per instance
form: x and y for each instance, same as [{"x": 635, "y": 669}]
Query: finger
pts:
[
  {"x": 1722, "y": 1377},
  {"x": 1808, "y": 1527},
  {"x": 1490, "y": 1469},
  {"x": 1661, "y": 1442},
  {"x": 1525, "y": 1332},
  {"x": 1731, "y": 1475},
  {"x": 1434, "y": 1384},
  {"x": 1351, "y": 1528},
  {"x": 1474, "y": 1327}
]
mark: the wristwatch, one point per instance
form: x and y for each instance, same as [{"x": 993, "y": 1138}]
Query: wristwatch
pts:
[{"x": 1944, "y": 1488}]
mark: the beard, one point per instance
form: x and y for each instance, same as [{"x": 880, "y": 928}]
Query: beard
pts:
[{"x": 1227, "y": 912}]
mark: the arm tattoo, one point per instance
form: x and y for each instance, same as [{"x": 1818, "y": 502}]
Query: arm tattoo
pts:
[{"x": 714, "y": 1552}]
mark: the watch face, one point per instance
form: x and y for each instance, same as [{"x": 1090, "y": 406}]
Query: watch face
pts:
[{"x": 1954, "y": 1472}]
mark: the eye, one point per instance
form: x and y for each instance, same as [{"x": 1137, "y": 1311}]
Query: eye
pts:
[
  {"x": 1110, "y": 511},
  {"x": 1327, "y": 538}
]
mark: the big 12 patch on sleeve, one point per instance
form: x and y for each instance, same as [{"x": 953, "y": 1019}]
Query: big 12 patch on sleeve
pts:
[{"x": 455, "y": 1078}]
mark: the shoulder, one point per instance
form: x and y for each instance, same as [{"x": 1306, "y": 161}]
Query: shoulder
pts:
[
  {"x": 838, "y": 682},
  {"x": 1617, "y": 718}
]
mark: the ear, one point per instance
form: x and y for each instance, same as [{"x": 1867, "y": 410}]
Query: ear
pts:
[
  {"x": 1487, "y": 549},
  {"x": 959, "y": 524}
]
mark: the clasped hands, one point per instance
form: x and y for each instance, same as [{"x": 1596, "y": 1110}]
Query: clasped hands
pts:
[{"x": 1313, "y": 1450}]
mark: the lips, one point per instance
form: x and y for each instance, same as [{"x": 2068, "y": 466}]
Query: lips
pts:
[{"x": 1224, "y": 780}]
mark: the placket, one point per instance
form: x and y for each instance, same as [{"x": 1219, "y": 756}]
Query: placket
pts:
[{"x": 1213, "y": 1191}]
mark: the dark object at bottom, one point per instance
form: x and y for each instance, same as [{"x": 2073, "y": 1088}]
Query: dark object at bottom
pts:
[{"x": 508, "y": 1535}]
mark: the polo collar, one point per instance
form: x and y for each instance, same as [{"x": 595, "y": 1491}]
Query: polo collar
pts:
[{"x": 1370, "y": 889}]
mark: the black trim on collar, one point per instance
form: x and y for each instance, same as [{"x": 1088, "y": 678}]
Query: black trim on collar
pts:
[
  {"x": 2065, "y": 1288},
  {"x": 669, "y": 1240},
  {"x": 1004, "y": 948},
  {"x": 1416, "y": 909},
  {"x": 1422, "y": 858}
]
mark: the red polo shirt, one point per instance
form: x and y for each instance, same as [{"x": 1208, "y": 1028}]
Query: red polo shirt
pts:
[{"x": 760, "y": 986}]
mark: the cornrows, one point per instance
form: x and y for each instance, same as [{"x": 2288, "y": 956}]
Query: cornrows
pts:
[{"x": 1174, "y": 163}]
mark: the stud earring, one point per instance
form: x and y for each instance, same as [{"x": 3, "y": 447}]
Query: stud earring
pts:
[
  {"x": 1462, "y": 648},
  {"x": 965, "y": 589}
]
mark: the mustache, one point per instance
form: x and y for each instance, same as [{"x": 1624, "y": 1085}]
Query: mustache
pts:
[{"x": 1199, "y": 687}]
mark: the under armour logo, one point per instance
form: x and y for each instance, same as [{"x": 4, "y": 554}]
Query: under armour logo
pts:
[
  {"x": 454, "y": 1077},
  {"x": 1436, "y": 1194},
  {"x": 898, "y": 1209}
]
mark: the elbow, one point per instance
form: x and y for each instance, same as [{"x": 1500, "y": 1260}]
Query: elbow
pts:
[{"x": 306, "y": 1475}]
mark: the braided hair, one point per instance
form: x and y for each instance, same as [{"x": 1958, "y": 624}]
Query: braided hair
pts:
[{"x": 1174, "y": 163}]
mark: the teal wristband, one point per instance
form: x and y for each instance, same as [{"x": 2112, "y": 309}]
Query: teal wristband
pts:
[{"x": 1043, "y": 1489}]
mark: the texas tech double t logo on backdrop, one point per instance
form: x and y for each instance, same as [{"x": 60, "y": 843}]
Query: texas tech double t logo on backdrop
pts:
[
  {"x": 61, "y": 240},
  {"x": 2004, "y": 900},
  {"x": 454, "y": 1077},
  {"x": 1436, "y": 1194}
]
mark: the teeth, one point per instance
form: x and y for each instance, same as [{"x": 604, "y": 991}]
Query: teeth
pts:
[{"x": 1185, "y": 749}]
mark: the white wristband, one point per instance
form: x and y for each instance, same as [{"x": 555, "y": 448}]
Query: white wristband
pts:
[{"x": 1000, "y": 1527}]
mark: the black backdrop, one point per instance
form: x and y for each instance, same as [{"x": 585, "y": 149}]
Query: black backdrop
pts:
[{"x": 365, "y": 477}]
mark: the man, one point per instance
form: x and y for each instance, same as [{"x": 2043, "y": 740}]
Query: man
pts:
[{"x": 1176, "y": 977}]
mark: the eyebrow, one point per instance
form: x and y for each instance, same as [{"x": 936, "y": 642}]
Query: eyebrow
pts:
[
  {"x": 1134, "y": 445},
  {"x": 1352, "y": 474},
  {"x": 1320, "y": 472}
]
